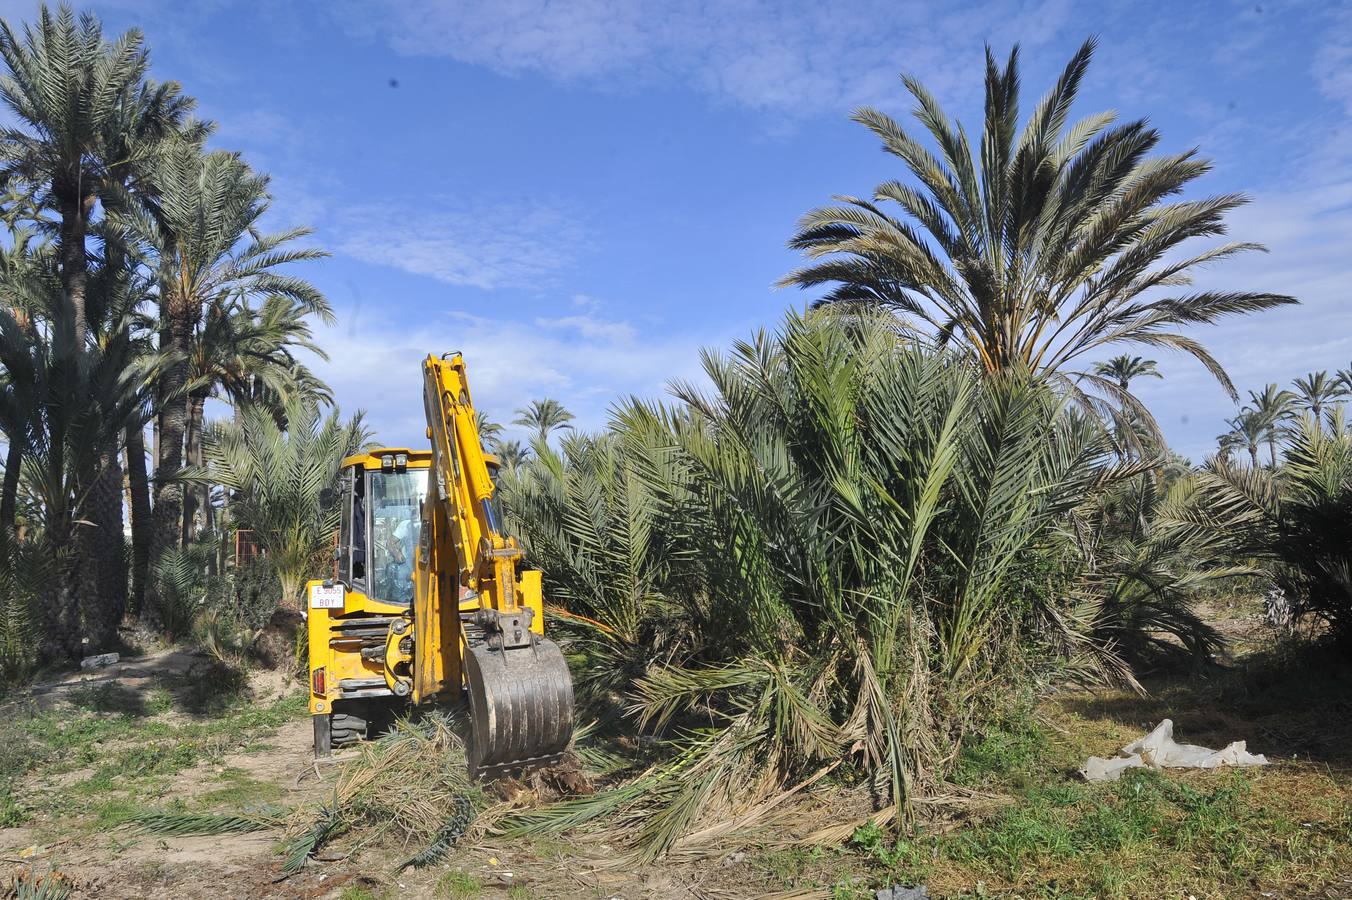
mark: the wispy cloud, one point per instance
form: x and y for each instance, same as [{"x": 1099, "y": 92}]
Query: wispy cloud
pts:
[
  {"x": 795, "y": 59},
  {"x": 485, "y": 246},
  {"x": 586, "y": 365}
]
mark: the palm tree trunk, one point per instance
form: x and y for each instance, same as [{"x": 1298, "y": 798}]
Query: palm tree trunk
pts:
[
  {"x": 168, "y": 507},
  {"x": 1272, "y": 448},
  {"x": 1253, "y": 455},
  {"x": 75, "y": 212},
  {"x": 141, "y": 523},
  {"x": 103, "y": 599},
  {"x": 193, "y": 504},
  {"x": 60, "y": 609},
  {"x": 9, "y": 493}
]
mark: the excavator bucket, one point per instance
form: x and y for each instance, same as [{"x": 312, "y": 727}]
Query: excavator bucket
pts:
[{"x": 521, "y": 705}]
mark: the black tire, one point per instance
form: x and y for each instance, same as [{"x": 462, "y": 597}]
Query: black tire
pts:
[{"x": 346, "y": 729}]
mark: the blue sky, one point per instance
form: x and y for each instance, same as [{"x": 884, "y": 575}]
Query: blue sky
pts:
[{"x": 581, "y": 195}]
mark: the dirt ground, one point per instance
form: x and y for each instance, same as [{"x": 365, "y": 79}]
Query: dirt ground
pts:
[
  {"x": 151, "y": 733},
  {"x": 274, "y": 761}
]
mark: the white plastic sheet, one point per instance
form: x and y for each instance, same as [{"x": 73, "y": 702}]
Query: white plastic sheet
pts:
[{"x": 1159, "y": 750}]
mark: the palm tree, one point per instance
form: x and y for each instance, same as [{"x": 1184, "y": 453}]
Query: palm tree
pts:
[
  {"x": 1317, "y": 390},
  {"x": 511, "y": 455},
  {"x": 1049, "y": 243},
  {"x": 544, "y": 417},
  {"x": 1273, "y": 407},
  {"x": 17, "y": 380},
  {"x": 86, "y": 118},
  {"x": 80, "y": 404},
  {"x": 72, "y": 90},
  {"x": 1125, "y": 368},
  {"x": 1247, "y": 430},
  {"x": 279, "y": 479},
  {"x": 204, "y": 232},
  {"x": 488, "y": 429},
  {"x": 247, "y": 356}
]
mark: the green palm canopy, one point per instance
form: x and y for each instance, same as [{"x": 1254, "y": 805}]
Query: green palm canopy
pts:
[{"x": 1042, "y": 244}]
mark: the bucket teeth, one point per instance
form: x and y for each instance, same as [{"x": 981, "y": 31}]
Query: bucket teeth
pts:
[{"x": 521, "y": 706}]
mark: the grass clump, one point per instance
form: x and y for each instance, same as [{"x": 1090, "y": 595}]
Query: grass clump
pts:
[{"x": 458, "y": 885}]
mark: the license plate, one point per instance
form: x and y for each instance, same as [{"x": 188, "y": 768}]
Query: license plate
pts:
[{"x": 326, "y": 596}]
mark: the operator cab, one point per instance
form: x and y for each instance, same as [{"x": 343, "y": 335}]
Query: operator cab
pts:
[{"x": 382, "y": 495}]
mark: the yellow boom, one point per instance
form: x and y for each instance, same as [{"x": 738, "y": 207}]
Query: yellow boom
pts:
[{"x": 436, "y": 609}]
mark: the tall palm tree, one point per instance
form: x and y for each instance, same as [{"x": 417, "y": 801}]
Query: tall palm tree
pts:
[
  {"x": 87, "y": 116},
  {"x": 17, "y": 381},
  {"x": 1273, "y": 407},
  {"x": 544, "y": 417},
  {"x": 1317, "y": 390},
  {"x": 204, "y": 232},
  {"x": 1125, "y": 368},
  {"x": 279, "y": 479},
  {"x": 70, "y": 89},
  {"x": 1046, "y": 244}
]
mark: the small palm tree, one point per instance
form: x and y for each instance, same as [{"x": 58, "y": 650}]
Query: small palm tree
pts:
[
  {"x": 1247, "y": 430},
  {"x": 1124, "y": 369},
  {"x": 1317, "y": 390},
  {"x": 488, "y": 429},
  {"x": 1046, "y": 244},
  {"x": 1273, "y": 407},
  {"x": 246, "y": 355},
  {"x": 279, "y": 479},
  {"x": 544, "y": 417},
  {"x": 511, "y": 454}
]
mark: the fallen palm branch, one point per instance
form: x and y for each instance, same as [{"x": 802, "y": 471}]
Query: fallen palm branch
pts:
[
  {"x": 403, "y": 785},
  {"x": 173, "y": 822}
]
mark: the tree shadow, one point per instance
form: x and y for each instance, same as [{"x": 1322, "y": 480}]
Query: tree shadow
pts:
[
  {"x": 110, "y": 697},
  {"x": 1291, "y": 703}
]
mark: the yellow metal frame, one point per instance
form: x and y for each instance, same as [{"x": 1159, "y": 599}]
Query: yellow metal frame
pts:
[{"x": 460, "y": 545}]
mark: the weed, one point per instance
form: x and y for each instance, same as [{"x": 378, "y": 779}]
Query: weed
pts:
[
  {"x": 18, "y": 753},
  {"x": 11, "y": 813},
  {"x": 456, "y": 884},
  {"x": 159, "y": 701},
  {"x": 906, "y": 859}
]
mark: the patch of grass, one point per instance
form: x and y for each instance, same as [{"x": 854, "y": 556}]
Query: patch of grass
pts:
[
  {"x": 109, "y": 697},
  {"x": 18, "y": 753},
  {"x": 456, "y": 885},
  {"x": 159, "y": 701},
  {"x": 240, "y": 790},
  {"x": 356, "y": 892},
  {"x": 112, "y": 813},
  {"x": 12, "y": 814},
  {"x": 519, "y": 892},
  {"x": 1006, "y": 750},
  {"x": 1207, "y": 833}
]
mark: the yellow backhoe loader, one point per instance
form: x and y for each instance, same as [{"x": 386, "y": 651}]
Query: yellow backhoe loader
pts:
[{"x": 427, "y": 604}]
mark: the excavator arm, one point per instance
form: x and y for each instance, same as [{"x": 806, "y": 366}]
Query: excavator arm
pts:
[{"x": 478, "y": 623}]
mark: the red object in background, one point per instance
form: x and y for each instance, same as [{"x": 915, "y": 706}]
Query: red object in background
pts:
[{"x": 246, "y": 546}]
